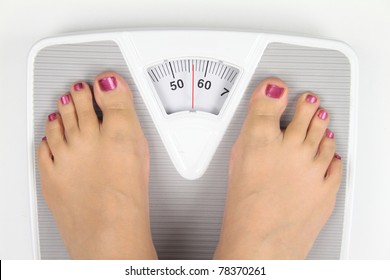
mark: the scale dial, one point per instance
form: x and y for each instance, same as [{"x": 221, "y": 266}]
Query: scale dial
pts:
[{"x": 193, "y": 84}]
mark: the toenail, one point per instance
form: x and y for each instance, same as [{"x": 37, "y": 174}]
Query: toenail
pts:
[
  {"x": 337, "y": 156},
  {"x": 311, "y": 99},
  {"x": 65, "y": 99},
  {"x": 323, "y": 115},
  {"x": 52, "y": 117},
  {"x": 44, "y": 138},
  {"x": 78, "y": 86},
  {"x": 329, "y": 134},
  {"x": 107, "y": 84},
  {"x": 274, "y": 91}
]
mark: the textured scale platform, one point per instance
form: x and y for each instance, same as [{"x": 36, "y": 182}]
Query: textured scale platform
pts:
[{"x": 186, "y": 215}]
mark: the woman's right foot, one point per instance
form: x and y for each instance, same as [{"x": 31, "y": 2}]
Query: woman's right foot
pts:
[
  {"x": 95, "y": 175},
  {"x": 282, "y": 185}
]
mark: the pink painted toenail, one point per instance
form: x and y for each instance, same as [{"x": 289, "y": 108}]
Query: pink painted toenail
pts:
[
  {"x": 329, "y": 134},
  {"x": 78, "y": 86},
  {"x": 311, "y": 99},
  {"x": 107, "y": 84},
  {"x": 44, "y": 138},
  {"x": 52, "y": 117},
  {"x": 337, "y": 156},
  {"x": 323, "y": 115},
  {"x": 274, "y": 91},
  {"x": 65, "y": 99}
]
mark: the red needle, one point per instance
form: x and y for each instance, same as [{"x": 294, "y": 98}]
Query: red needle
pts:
[{"x": 193, "y": 93}]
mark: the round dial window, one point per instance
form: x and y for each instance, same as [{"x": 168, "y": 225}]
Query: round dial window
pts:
[{"x": 193, "y": 84}]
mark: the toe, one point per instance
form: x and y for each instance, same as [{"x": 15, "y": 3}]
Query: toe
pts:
[
  {"x": 326, "y": 150},
  {"x": 316, "y": 130},
  {"x": 68, "y": 116},
  {"x": 334, "y": 173},
  {"x": 267, "y": 104},
  {"x": 45, "y": 159},
  {"x": 307, "y": 105},
  {"x": 55, "y": 133},
  {"x": 114, "y": 98},
  {"x": 83, "y": 103}
]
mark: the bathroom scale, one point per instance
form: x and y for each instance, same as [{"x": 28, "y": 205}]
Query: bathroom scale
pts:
[{"x": 191, "y": 91}]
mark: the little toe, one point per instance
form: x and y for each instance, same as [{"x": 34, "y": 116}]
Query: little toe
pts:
[
  {"x": 326, "y": 150},
  {"x": 68, "y": 116},
  {"x": 334, "y": 173},
  {"x": 83, "y": 103},
  {"x": 316, "y": 130},
  {"x": 55, "y": 133},
  {"x": 267, "y": 104},
  {"x": 44, "y": 154},
  {"x": 307, "y": 105},
  {"x": 114, "y": 98}
]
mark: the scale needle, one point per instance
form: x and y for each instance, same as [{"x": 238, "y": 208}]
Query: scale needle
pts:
[{"x": 193, "y": 93}]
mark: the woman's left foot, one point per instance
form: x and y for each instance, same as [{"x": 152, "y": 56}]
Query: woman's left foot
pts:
[{"x": 282, "y": 185}]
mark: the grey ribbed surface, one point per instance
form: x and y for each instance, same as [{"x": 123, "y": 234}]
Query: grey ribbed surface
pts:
[{"x": 186, "y": 215}]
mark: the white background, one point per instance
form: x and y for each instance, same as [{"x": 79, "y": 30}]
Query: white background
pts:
[
  {"x": 364, "y": 25},
  {"x": 275, "y": 270}
]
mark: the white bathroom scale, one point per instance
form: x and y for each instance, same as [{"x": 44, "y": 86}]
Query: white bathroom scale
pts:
[{"x": 191, "y": 91}]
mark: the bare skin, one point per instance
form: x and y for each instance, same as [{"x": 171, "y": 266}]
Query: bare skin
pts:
[
  {"x": 95, "y": 175},
  {"x": 282, "y": 185}
]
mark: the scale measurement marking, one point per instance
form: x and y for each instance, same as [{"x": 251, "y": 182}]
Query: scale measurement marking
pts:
[
  {"x": 151, "y": 77},
  {"x": 223, "y": 72},
  {"x": 170, "y": 65},
  {"x": 158, "y": 71},
  {"x": 193, "y": 88},
  {"x": 164, "y": 71},
  {"x": 220, "y": 70},
  {"x": 205, "y": 72},
  {"x": 155, "y": 76},
  {"x": 233, "y": 77}
]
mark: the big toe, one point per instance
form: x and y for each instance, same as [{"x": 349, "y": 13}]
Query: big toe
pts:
[
  {"x": 114, "y": 98},
  {"x": 267, "y": 105}
]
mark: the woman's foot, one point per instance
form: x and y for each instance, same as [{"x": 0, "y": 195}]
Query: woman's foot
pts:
[
  {"x": 282, "y": 185},
  {"x": 95, "y": 175}
]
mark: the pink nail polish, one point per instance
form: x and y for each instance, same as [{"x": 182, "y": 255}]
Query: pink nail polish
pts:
[
  {"x": 311, "y": 99},
  {"x": 108, "y": 83},
  {"x": 52, "y": 117},
  {"x": 337, "y": 156},
  {"x": 329, "y": 134},
  {"x": 274, "y": 91},
  {"x": 323, "y": 115},
  {"x": 65, "y": 99},
  {"x": 44, "y": 138},
  {"x": 78, "y": 86}
]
